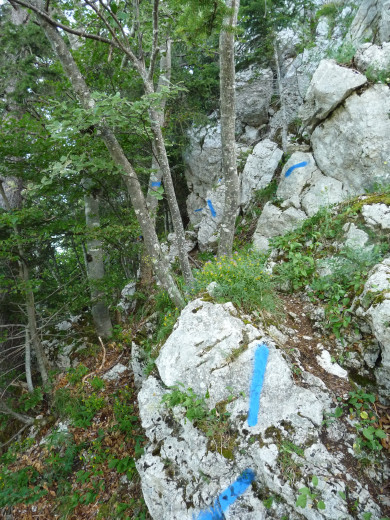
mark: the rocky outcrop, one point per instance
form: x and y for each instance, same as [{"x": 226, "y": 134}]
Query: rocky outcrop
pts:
[
  {"x": 374, "y": 58},
  {"x": 254, "y": 89},
  {"x": 196, "y": 470},
  {"x": 373, "y": 305},
  {"x": 352, "y": 144},
  {"x": 259, "y": 169},
  {"x": 372, "y": 22},
  {"x": 329, "y": 87}
]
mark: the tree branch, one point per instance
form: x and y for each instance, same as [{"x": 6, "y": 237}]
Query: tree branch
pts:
[{"x": 155, "y": 48}]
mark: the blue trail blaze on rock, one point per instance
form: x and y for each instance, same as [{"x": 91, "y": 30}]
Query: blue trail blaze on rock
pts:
[
  {"x": 196, "y": 210},
  {"x": 227, "y": 497},
  {"x": 155, "y": 184},
  {"x": 212, "y": 210},
  {"x": 292, "y": 168},
  {"x": 260, "y": 365}
]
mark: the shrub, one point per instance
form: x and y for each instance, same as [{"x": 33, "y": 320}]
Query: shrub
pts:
[{"x": 241, "y": 279}]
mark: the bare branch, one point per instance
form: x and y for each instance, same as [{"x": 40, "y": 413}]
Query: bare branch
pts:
[
  {"x": 155, "y": 48},
  {"x": 60, "y": 25}
]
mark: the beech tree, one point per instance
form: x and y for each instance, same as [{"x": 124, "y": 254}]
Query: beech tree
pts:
[{"x": 228, "y": 121}]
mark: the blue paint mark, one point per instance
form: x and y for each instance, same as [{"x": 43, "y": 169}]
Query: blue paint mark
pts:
[
  {"x": 228, "y": 497},
  {"x": 219, "y": 180},
  {"x": 156, "y": 184},
  {"x": 196, "y": 210},
  {"x": 292, "y": 168},
  {"x": 213, "y": 212},
  {"x": 261, "y": 357}
]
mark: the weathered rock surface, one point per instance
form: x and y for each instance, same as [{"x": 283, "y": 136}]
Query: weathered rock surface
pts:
[
  {"x": 352, "y": 145},
  {"x": 377, "y": 216},
  {"x": 372, "y": 20},
  {"x": 254, "y": 90},
  {"x": 375, "y": 308},
  {"x": 183, "y": 471},
  {"x": 329, "y": 87},
  {"x": 375, "y": 58},
  {"x": 259, "y": 169}
]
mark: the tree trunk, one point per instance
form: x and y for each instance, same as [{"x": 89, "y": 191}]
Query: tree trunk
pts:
[
  {"x": 26, "y": 419},
  {"x": 95, "y": 265},
  {"x": 228, "y": 123},
  {"x": 27, "y": 362},
  {"x": 71, "y": 70},
  {"x": 281, "y": 97},
  {"x": 43, "y": 364}
]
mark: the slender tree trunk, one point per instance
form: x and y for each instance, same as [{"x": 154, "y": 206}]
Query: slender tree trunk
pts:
[
  {"x": 95, "y": 265},
  {"x": 29, "y": 295},
  {"x": 228, "y": 123},
  {"x": 71, "y": 70},
  {"x": 281, "y": 97},
  {"x": 27, "y": 363}
]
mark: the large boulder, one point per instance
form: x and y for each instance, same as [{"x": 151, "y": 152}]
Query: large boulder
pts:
[
  {"x": 352, "y": 145},
  {"x": 259, "y": 169},
  {"x": 254, "y": 89},
  {"x": 197, "y": 470},
  {"x": 329, "y": 87}
]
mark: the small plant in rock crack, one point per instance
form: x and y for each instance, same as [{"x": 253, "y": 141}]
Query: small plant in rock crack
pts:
[
  {"x": 360, "y": 406},
  {"x": 307, "y": 495}
]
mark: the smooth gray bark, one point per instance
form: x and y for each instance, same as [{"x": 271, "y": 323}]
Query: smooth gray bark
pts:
[
  {"x": 95, "y": 264},
  {"x": 27, "y": 362},
  {"x": 130, "y": 178},
  {"x": 228, "y": 123},
  {"x": 281, "y": 97}
]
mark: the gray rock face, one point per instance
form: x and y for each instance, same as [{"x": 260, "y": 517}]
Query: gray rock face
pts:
[
  {"x": 254, "y": 90},
  {"x": 375, "y": 308},
  {"x": 211, "y": 215},
  {"x": 355, "y": 238},
  {"x": 353, "y": 145},
  {"x": 203, "y": 159},
  {"x": 377, "y": 216},
  {"x": 372, "y": 20},
  {"x": 376, "y": 58},
  {"x": 330, "y": 86},
  {"x": 259, "y": 169},
  {"x": 183, "y": 471},
  {"x": 273, "y": 222}
]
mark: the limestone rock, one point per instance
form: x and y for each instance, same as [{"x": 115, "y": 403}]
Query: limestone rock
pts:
[
  {"x": 377, "y": 216},
  {"x": 375, "y": 58},
  {"x": 259, "y": 169},
  {"x": 372, "y": 20},
  {"x": 274, "y": 221},
  {"x": 329, "y": 87},
  {"x": 352, "y": 145},
  {"x": 254, "y": 90},
  {"x": 115, "y": 372},
  {"x": 355, "y": 238}
]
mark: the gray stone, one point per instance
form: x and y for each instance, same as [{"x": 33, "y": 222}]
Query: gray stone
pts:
[
  {"x": 254, "y": 90},
  {"x": 274, "y": 221},
  {"x": 324, "y": 191},
  {"x": 259, "y": 169},
  {"x": 329, "y": 87},
  {"x": 372, "y": 20},
  {"x": 352, "y": 145},
  {"x": 377, "y": 216},
  {"x": 325, "y": 361},
  {"x": 355, "y": 238},
  {"x": 115, "y": 372},
  {"x": 374, "y": 58}
]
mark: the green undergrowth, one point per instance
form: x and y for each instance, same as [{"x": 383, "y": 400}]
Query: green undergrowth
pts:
[
  {"x": 241, "y": 279},
  {"x": 310, "y": 259}
]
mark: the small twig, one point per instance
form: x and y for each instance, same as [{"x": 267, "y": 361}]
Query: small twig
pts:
[{"x": 104, "y": 354}]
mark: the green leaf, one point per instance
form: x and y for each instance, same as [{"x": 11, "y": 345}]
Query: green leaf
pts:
[
  {"x": 321, "y": 504},
  {"x": 301, "y": 501},
  {"x": 314, "y": 480},
  {"x": 380, "y": 434},
  {"x": 342, "y": 495}
]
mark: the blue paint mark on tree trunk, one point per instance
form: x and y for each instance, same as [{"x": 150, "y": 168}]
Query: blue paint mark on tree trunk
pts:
[
  {"x": 213, "y": 212},
  {"x": 227, "y": 497},
  {"x": 292, "y": 168},
  {"x": 156, "y": 184},
  {"x": 261, "y": 357}
]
